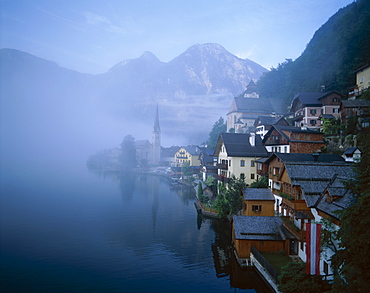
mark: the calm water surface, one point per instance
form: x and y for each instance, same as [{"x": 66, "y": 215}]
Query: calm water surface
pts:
[{"x": 73, "y": 230}]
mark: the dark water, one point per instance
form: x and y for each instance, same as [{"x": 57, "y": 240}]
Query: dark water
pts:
[{"x": 73, "y": 230}]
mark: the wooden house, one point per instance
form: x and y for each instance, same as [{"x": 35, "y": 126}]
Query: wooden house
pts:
[
  {"x": 297, "y": 181},
  {"x": 266, "y": 234},
  {"x": 289, "y": 139},
  {"x": 258, "y": 202}
]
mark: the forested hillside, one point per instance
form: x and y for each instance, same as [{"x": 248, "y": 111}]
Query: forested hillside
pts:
[{"x": 336, "y": 50}]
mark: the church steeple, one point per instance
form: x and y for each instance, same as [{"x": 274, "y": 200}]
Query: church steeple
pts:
[
  {"x": 156, "y": 140},
  {"x": 156, "y": 122}
]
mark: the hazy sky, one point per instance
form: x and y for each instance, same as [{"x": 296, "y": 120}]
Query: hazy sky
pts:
[{"x": 93, "y": 35}]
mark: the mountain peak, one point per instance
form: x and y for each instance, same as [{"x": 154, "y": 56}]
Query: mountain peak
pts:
[{"x": 149, "y": 56}]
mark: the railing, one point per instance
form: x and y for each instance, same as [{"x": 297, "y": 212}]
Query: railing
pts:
[
  {"x": 266, "y": 265},
  {"x": 222, "y": 166},
  {"x": 289, "y": 225}
]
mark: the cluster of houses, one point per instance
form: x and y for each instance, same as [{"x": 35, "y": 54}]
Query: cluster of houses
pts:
[{"x": 305, "y": 184}]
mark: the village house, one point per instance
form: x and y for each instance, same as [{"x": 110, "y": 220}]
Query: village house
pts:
[
  {"x": 187, "y": 154},
  {"x": 247, "y": 107},
  {"x": 297, "y": 182},
  {"x": 335, "y": 198},
  {"x": 207, "y": 163},
  {"x": 356, "y": 109},
  {"x": 237, "y": 153},
  {"x": 144, "y": 151},
  {"x": 308, "y": 106},
  {"x": 352, "y": 154},
  {"x": 258, "y": 202},
  {"x": 289, "y": 139},
  {"x": 362, "y": 82},
  {"x": 264, "y": 123},
  {"x": 266, "y": 234}
]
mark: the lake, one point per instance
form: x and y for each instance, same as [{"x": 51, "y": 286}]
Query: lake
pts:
[{"x": 68, "y": 229}]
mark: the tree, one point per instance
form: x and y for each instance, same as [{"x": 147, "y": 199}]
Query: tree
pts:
[
  {"x": 218, "y": 128},
  {"x": 293, "y": 278},
  {"x": 211, "y": 182},
  {"x": 262, "y": 182},
  {"x": 128, "y": 153},
  {"x": 352, "y": 259},
  {"x": 229, "y": 200}
]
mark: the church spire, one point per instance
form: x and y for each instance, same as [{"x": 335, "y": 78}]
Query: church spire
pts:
[
  {"x": 156, "y": 122},
  {"x": 156, "y": 140}
]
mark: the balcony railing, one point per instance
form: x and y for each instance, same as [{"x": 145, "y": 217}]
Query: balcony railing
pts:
[
  {"x": 221, "y": 178},
  {"x": 289, "y": 225},
  {"x": 222, "y": 166}
]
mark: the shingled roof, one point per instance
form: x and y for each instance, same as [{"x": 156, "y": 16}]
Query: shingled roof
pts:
[
  {"x": 314, "y": 177},
  {"x": 238, "y": 145},
  {"x": 343, "y": 198},
  {"x": 258, "y": 194},
  {"x": 282, "y": 129},
  {"x": 260, "y": 228}
]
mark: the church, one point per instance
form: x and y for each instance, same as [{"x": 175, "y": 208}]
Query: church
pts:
[{"x": 247, "y": 107}]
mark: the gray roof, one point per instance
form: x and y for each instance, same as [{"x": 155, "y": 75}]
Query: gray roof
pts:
[
  {"x": 257, "y": 105},
  {"x": 258, "y": 194},
  {"x": 355, "y": 103},
  {"x": 192, "y": 149},
  {"x": 259, "y": 228},
  {"x": 350, "y": 151},
  {"x": 238, "y": 145},
  {"x": 343, "y": 198},
  {"x": 314, "y": 177},
  {"x": 297, "y": 157}
]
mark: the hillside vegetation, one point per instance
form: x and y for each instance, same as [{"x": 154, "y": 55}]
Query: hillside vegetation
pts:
[{"x": 336, "y": 50}]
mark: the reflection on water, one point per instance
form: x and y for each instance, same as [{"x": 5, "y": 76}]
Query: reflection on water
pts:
[{"x": 113, "y": 232}]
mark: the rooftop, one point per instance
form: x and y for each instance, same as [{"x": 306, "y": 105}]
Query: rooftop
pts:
[{"x": 258, "y": 194}]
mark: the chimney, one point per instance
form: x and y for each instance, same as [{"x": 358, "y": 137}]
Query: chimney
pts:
[
  {"x": 323, "y": 88},
  {"x": 252, "y": 139},
  {"x": 316, "y": 156}
]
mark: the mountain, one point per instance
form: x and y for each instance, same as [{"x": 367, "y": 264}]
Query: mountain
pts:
[
  {"x": 336, "y": 50},
  {"x": 193, "y": 91},
  {"x": 205, "y": 69}
]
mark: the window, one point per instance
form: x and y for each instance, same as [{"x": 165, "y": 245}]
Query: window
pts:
[
  {"x": 252, "y": 175},
  {"x": 256, "y": 208},
  {"x": 229, "y": 163},
  {"x": 301, "y": 245},
  {"x": 242, "y": 163},
  {"x": 361, "y": 79},
  {"x": 313, "y": 111},
  {"x": 242, "y": 176},
  {"x": 252, "y": 163},
  {"x": 335, "y": 110},
  {"x": 313, "y": 122},
  {"x": 285, "y": 149},
  {"x": 336, "y": 100},
  {"x": 296, "y": 135},
  {"x": 308, "y": 137}
]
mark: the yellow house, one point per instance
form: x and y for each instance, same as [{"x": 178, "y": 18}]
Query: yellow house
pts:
[
  {"x": 363, "y": 78},
  {"x": 258, "y": 202},
  {"x": 236, "y": 155},
  {"x": 187, "y": 154}
]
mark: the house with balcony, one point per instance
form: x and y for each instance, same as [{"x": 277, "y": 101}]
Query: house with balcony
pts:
[
  {"x": 207, "y": 163},
  {"x": 187, "y": 154},
  {"x": 362, "y": 82},
  {"x": 297, "y": 182},
  {"x": 356, "y": 109},
  {"x": 258, "y": 202},
  {"x": 308, "y": 106},
  {"x": 289, "y": 139},
  {"x": 236, "y": 155}
]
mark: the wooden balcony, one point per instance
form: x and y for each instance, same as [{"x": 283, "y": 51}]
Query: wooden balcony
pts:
[
  {"x": 221, "y": 178},
  {"x": 222, "y": 166},
  {"x": 289, "y": 225}
]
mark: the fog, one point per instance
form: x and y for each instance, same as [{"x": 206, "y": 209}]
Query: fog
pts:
[{"x": 43, "y": 127}]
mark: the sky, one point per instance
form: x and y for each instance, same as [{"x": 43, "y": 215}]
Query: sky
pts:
[{"x": 91, "y": 36}]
